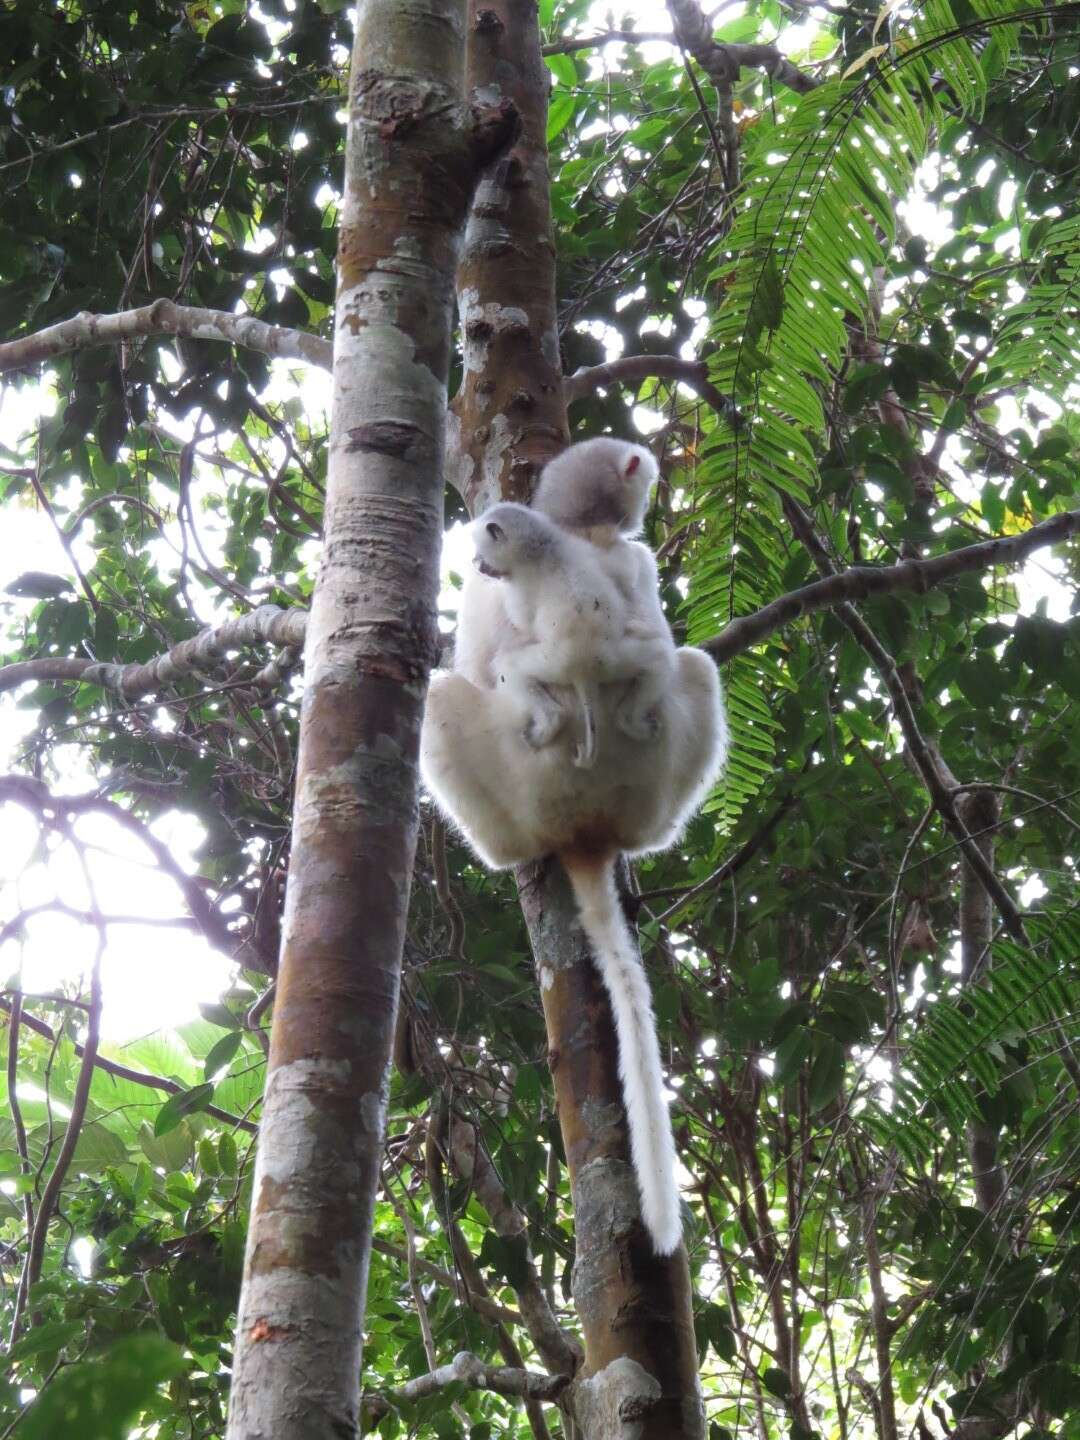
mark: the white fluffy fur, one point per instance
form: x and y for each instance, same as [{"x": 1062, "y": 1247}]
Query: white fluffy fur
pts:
[
  {"x": 652, "y": 1145},
  {"x": 574, "y": 626},
  {"x": 515, "y": 802}
]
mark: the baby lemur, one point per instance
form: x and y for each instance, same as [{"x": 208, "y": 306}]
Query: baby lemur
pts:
[
  {"x": 514, "y": 796},
  {"x": 578, "y": 629}
]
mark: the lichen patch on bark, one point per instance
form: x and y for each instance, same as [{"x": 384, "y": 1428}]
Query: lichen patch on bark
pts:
[{"x": 614, "y": 1402}]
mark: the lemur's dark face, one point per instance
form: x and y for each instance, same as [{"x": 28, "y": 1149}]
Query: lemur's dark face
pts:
[
  {"x": 496, "y": 539},
  {"x": 509, "y": 537}
]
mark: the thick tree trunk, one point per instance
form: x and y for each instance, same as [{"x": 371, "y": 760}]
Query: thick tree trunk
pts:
[
  {"x": 640, "y": 1373},
  {"x": 371, "y": 640}
]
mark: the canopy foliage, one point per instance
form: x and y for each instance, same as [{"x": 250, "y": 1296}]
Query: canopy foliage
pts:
[{"x": 881, "y": 270}]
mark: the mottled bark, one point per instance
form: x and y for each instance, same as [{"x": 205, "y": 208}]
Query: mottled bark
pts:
[
  {"x": 371, "y": 639},
  {"x": 508, "y": 416},
  {"x": 640, "y": 1374},
  {"x": 639, "y": 1378}
]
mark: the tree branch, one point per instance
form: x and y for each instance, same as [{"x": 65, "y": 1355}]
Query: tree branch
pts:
[
  {"x": 482, "y": 1304},
  {"x": 467, "y": 1369},
  {"x": 860, "y": 582},
  {"x": 722, "y": 63},
  {"x": 50, "y": 1197},
  {"x": 269, "y": 624},
  {"x": 86, "y": 330},
  {"x": 558, "y": 1350},
  {"x": 468, "y": 1274},
  {"x": 56, "y": 810},
  {"x": 885, "y": 1411},
  {"x": 980, "y": 812},
  {"x": 606, "y": 37},
  {"x": 940, "y": 783},
  {"x": 632, "y": 369},
  {"x": 778, "y": 67}
]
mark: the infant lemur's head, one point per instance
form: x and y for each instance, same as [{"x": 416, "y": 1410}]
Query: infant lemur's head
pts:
[
  {"x": 598, "y": 482},
  {"x": 509, "y": 537}
]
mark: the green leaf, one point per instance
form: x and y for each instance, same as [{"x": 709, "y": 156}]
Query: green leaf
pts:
[
  {"x": 209, "y": 1162},
  {"x": 1054, "y": 447},
  {"x": 560, "y": 113},
  {"x": 980, "y": 680},
  {"x": 507, "y": 1256},
  {"x": 563, "y": 68},
  {"x": 791, "y": 1054},
  {"x": 826, "y": 1073},
  {"x": 776, "y": 1382},
  {"x": 177, "y": 1106},
  {"x": 47, "y": 1338},
  {"x": 767, "y": 308},
  {"x": 1057, "y": 1389},
  {"x": 102, "y": 1396},
  {"x": 38, "y": 585},
  {"x": 227, "y": 1155},
  {"x": 915, "y": 250},
  {"x": 222, "y": 1054}
]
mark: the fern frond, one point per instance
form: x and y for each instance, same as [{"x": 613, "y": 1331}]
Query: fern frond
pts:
[
  {"x": 959, "y": 1053},
  {"x": 821, "y": 185},
  {"x": 1040, "y": 334}
]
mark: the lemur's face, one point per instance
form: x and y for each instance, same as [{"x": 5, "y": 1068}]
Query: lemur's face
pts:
[
  {"x": 491, "y": 547},
  {"x": 508, "y": 537}
]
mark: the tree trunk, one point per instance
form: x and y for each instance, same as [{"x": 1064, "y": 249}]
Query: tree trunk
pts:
[
  {"x": 509, "y": 416},
  {"x": 639, "y": 1381},
  {"x": 371, "y": 640},
  {"x": 640, "y": 1373}
]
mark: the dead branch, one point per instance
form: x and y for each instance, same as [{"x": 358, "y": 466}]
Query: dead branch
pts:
[{"x": 269, "y": 624}]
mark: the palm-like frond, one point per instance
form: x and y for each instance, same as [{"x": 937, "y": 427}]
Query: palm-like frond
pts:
[
  {"x": 967, "y": 1044},
  {"x": 1040, "y": 334},
  {"x": 821, "y": 184}
]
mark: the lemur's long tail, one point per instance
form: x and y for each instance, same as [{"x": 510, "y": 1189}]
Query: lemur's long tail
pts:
[{"x": 652, "y": 1144}]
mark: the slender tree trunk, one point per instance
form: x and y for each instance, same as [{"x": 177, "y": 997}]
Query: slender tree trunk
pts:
[
  {"x": 640, "y": 1373},
  {"x": 371, "y": 640},
  {"x": 639, "y": 1381},
  {"x": 509, "y": 415},
  {"x": 980, "y": 812}
]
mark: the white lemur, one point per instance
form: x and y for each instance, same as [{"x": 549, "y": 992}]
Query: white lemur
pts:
[
  {"x": 597, "y": 491},
  {"x": 578, "y": 628},
  {"x": 516, "y": 803}
]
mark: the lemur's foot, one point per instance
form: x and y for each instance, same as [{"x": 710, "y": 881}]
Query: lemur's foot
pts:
[
  {"x": 638, "y": 724},
  {"x": 541, "y": 728}
]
